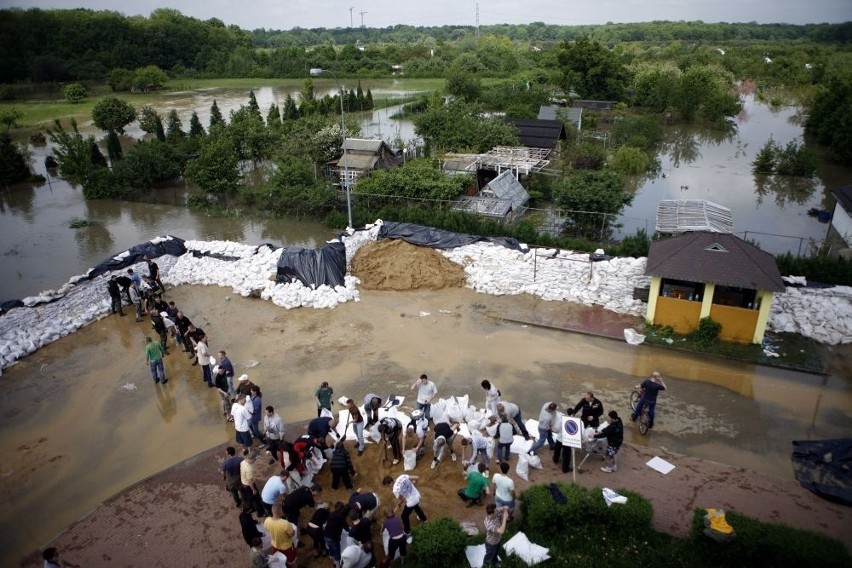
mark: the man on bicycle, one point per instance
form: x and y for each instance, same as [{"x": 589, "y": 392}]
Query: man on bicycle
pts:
[{"x": 649, "y": 388}]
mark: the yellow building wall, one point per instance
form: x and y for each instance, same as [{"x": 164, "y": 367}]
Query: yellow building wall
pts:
[
  {"x": 653, "y": 294},
  {"x": 762, "y": 315},
  {"x": 738, "y": 324},
  {"x": 681, "y": 315}
]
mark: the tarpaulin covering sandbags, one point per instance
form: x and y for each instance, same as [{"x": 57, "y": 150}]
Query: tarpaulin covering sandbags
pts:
[
  {"x": 152, "y": 249},
  {"x": 825, "y": 467},
  {"x": 313, "y": 267},
  {"x": 437, "y": 238}
]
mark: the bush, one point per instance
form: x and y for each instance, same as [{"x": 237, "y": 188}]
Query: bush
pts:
[
  {"x": 764, "y": 544},
  {"x": 819, "y": 269},
  {"x": 707, "y": 332},
  {"x": 442, "y": 538},
  {"x": 102, "y": 183},
  {"x": 75, "y": 92},
  {"x": 636, "y": 245}
]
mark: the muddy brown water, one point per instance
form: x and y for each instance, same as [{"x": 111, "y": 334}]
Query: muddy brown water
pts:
[{"x": 82, "y": 420}]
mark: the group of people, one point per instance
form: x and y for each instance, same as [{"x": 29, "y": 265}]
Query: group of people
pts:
[{"x": 137, "y": 290}]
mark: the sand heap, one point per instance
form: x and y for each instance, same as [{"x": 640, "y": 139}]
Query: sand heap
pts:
[{"x": 397, "y": 265}]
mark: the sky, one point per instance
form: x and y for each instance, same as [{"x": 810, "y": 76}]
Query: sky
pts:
[{"x": 287, "y": 14}]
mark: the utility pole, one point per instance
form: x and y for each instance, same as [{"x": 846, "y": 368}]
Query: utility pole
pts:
[
  {"x": 362, "y": 17},
  {"x": 477, "y": 21},
  {"x": 350, "y": 15}
]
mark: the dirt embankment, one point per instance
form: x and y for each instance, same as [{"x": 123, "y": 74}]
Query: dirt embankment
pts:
[{"x": 398, "y": 265}]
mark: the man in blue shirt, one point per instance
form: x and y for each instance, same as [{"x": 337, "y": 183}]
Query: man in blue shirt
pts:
[{"x": 650, "y": 389}]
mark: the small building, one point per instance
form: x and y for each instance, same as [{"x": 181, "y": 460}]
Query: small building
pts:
[
  {"x": 841, "y": 219},
  {"x": 703, "y": 273},
  {"x": 503, "y": 199},
  {"x": 594, "y": 105},
  {"x": 361, "y": 156},
  {"x": 535, "y": 133},
  {"x": 573, "y": 116}
]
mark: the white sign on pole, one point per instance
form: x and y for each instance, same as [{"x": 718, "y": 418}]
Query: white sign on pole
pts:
[{"x": 572, "y": 432}]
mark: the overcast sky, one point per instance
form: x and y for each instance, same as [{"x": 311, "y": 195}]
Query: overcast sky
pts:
[{"x": 286, "y": 14}]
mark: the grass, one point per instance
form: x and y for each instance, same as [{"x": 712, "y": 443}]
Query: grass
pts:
[{"x": 794, "y": 351}]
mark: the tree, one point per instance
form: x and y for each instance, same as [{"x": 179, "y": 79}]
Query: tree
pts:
[
  {"x": 273, "y": 117},
  {"x": 295, "y": 190},
  {"x": 9, "y": 118},
  {"x": 148, "y": 78},
  {"x": 251, "y": 138},
  {"x": 13, "y": 162},
  {"x": 174, "y": 132},
  {"x": 830, "y": 117},
  {"x": 216, "y": 169},
  {"x": 461, "y": 127},
  {"x": 252, "y": 105},
  {"x": 75, "y": 92},
  {"x": 630, "y": 161},
  {"x": 216, "y": 119},
  {"x": 148, "y": 119},
  {"x": 591, "y": 69},
  {"x": 120, "y": 79},
  {"x": 464, "y": 85},
  {"x": 195, "y": 128},
  {"x": 291, "y": 111},
  {"x": 416, "y": 178},
  {"x": 75, "y": 155},
  {"x": 593, "y": 199},
  {"x": 113, "y": 114},
  {"x": 148, "y": 163}
]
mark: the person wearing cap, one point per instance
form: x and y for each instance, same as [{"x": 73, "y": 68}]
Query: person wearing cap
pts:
[
  {"x": 248, "y": 480},
  {"x": 372, "y": 403},
  {"x": 242, "y": 416},
  {"x": 426, "y": 391},
  {"x": 323, "y": 398}
]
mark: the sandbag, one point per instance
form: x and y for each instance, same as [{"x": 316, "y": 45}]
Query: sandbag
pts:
[
  {"x": 522, "y": 468},
  {"x": 534, "y": 461},
  {"x": 409, "y": 460}
]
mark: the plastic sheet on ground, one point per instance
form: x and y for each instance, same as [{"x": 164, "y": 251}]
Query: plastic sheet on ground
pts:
[
  {"x": 824, "y": 467},
  {"x": 438, "y": 238},
  {"x": 526, "y": 550},
  {"x": 313, "y": 267},
  {"x": 154, "y": 248},
  {"x": 659, "y": 464}
]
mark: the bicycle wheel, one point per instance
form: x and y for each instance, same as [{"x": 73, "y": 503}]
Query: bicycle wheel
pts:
[
  {"x": 634, "y": 399},
  {"x": 643, "y": 421}
]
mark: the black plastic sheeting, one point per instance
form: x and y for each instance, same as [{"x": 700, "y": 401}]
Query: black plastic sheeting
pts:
[
  {"x": 172, "y": 245},
  {"x": 313, "y": 267},
  {"x": 225, "y": 257},
  {"x": 438, "y": 238},
  {"x": 825, "y": 467}
]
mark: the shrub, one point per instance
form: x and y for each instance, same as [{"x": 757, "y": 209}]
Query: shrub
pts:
[
  {"x": 102, "y": 183},
  {"x": 818, "y": 269},
  {"x": 766, "y": 544},
  {"x": 75, "y": 92},
  {"x": 634, "y": 245},
  {"x": 707, "y": 332},
  {"x": 442, "y": 538}
]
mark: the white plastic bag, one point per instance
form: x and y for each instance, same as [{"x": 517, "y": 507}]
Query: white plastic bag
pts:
[
  {"x": 632, "y": 337},
  {"x": 534, "y": 462},
  {"x": 522, "y": 469},
  {"x": 611, "y": 497},
  {"x": 375, "y": 434},
  {"x": 409, "y": 458}
]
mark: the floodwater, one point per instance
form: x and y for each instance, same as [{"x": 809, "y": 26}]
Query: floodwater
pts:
[
  {"x": 716, "y": 166},
  {"x": 82, "y": 419}
]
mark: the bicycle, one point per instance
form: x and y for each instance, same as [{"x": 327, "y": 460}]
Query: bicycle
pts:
[{"x": 644, "y": 419}]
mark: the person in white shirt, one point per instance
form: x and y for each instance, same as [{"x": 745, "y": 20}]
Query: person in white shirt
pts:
[
  {"x": 273, "y": 429},
  {"x": 426, "y": 391},
  {"x": 479, "y": 443},
  {"x": 504, "y": 493},
  {"x": 492, "y": 396},
  {"x": 546, "y": 427},
  {"x": 514, "y": 413},
  {"x": 420, "y": 425},
  {"x": 241, "y": 411},
  {"x": 406, "y": 493}
]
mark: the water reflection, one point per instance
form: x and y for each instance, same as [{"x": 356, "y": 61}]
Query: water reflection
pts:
[
  {"x": 786, "y": 189},
  {"x": 93, "y": 238}
]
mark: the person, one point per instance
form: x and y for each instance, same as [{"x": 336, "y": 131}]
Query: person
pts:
[
  {"x": 225, "y": 363},
  {"x": 405, "y": 490},
  {"x": 248, "y": 480},
  {"x": 333, "y": 531},
  {"x": 300, "y": 497},
  {"x": 320, "y": 428},
  {"x": 203, "y": 354},
  {"x": 504, "y": 438},
  {"x": 341, "y": 467},
  {"x": 315, "y": 529},
  {"x": 504, "y": 489},
  {"x": 154, "y": 360},
  {"x": 420, "y": 424},
  {"x": 159, "y": 326},
  {"x": 397, "y": 540},
  {"x": 134, "y": 277},
  {"x": 366, "y": 503},
  {"x": 323, "y": 398},
  {"x": 546, "y": 427},
  {"x": 514, "y": 413},
  {"x": 258, "y": 556},
  {"x": 281, "y": 532},
  {"x": 445, "y": 433},
  {"x": 256, "y": 412},
  {"x": 649, "y": 388},
  {"x": 358, "y": 555},
  {"x": 242, "y": 415},
  {"x": 479, "y": 445},
  {"x": 231, "y": 473},
  {"x": 183, "y": 324},
  {"x": 154, "y": 272},
  {"x": 426, "y": 391},
  {"x": 590, "y": 409},
  {"x": 562, "y": 451},
  {"x": 477, "y": 486},
  {"x": 391, "y": 430},
  {"x": 221, "y": 382},
  {"x": 115, "y": 296},
  {"x": 52, "y": 560},
  {"x": 275, "y": 487},
  {"x": 244, "y": 385},
  {"x": 356, "y": 419},
  {"x": 301, "y": 452},
  {"x": 492, "y": 396},
  {"x": 372, "y": 403},
  {"x": 248, "y": 526},
  {"x": 124, "y": 284},
  {"x": 614, "y": 434},
  {"x": 360, "y": 528},
  {"x": 136, "y": 299},
  {"x": 194, "y": 335},
  {"x": 495, "y": 526},
  {"x": 273, "y": 428}
]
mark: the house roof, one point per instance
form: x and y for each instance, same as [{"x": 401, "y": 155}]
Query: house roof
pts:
[
  {"x": 716, "y": 258},
  {"x": 363, "y": 145},
  {"x": 535, "y": 133},
  {"x": 505, "y": 186},
  {"x": 573, "y": 115},
  {"x": 684, "y": 215},
  {"x": 844, "y": 198},
  {"x": 358, "y": 161}
]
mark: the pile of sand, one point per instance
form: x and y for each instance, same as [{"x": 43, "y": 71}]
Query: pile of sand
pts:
[{"x": 390, "y": 264}]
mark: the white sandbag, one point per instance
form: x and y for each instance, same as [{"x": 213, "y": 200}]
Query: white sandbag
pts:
[
  {"x": 454, "y": 412},
  {"x": 529, "y": 552},
  {"x": 475, "y": 555},
  {"x": 611, "y": 497},
  {"x": 534, "y": 461},
  {"x": 375, "y": 434},
  {"x": 522, "y": 469},
  {"x": 212, "y": 360},
  {"x": 632, "y": 337},
  {"x": 489, "y": 448},
  {"x": 409, "y": 460}
]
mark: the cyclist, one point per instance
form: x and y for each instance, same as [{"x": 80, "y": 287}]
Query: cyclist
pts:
[{"x": 649, "y": 390}]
